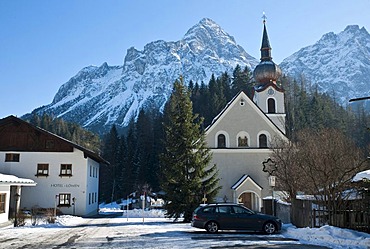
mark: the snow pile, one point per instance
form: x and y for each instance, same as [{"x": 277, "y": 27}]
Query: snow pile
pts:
[
  {"x": 68, "y": 220},
  {"x": 329, "y": 236},
  {"x": 114, "y": 207}
]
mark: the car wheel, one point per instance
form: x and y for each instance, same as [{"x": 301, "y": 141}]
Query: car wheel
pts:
[
  {"x": 269, "y": 228},
  {"x": 212, "y": 227}
]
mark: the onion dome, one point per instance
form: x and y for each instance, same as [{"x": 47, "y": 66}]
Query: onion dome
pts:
[{"x": 266, "y": 71}]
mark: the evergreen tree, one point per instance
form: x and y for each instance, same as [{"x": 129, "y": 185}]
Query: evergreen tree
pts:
[
  {"x": 131, "y": 141},
  {"x": 109, "y": 174},
  {"x": 242, "y": 80},
  {"x": 144, "y": 151},
  {"x": 186, "y": 174}
]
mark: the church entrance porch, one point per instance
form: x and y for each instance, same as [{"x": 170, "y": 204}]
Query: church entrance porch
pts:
[
  {"x": 247, "y": 192},
  {"x": 250, "y": 200}
]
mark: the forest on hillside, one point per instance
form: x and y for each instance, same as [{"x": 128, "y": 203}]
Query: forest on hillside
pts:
[{"x": 134, "y": 155}]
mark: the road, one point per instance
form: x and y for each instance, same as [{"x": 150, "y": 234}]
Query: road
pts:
[{"x": 134, "y": 233}]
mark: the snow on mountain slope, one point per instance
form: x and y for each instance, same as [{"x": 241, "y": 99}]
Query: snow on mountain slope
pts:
[
  {"x": 98, "y": 97},
  {"x": 337, "y": 63}
]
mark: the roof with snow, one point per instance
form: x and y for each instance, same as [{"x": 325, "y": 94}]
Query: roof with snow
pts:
[
  {"x": 14, "y": 180},
  {"x": 362, "y": 176}
]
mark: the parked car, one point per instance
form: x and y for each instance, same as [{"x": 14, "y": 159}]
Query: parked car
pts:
[{"x": 227, "y": 216}]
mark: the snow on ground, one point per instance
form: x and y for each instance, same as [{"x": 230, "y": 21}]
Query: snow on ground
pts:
[{"x": 138, "y": 228}]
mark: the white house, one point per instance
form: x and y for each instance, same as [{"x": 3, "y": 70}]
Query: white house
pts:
[
  {"x": 240, "y": 137},
  {"x": 67, "y": 175},
  {"x": 10, "y": 194}
]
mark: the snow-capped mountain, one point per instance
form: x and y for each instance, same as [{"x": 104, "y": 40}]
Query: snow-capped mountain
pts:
[
  {"x": 98, "y": 97},
  {"x": 337, "y": 63}
]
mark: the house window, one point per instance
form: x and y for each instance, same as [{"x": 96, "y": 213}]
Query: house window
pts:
[
  {"x": 262, "y": 141},
  {"x": 243, "y": 141},
  {"x": 271, "y": 105},
  {"x": 64, "y": 199},
  {"x": 42, "y": 169},
  {"x": 2, "y": 203},
  {"x": 221, "y": 141},
  {"x": 65, "y": 170},
  {"x": 11, "y": 157}
]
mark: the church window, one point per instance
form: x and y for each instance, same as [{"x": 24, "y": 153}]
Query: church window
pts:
[
  {"x": 242, "y": 102},
  {"x": 262, "y": 141},
  {"x": 271, "y": 105},
  {"x": 221, "y": 141},
  {"x": 242, "y": 141}
]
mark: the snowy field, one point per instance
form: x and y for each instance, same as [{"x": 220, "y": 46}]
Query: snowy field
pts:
[{"x": 149, "y": 229}]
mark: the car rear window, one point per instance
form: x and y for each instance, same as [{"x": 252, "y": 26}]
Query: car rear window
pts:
[
  {"x": 209, "y": 210},
  {"x": 224, "y": 209}
]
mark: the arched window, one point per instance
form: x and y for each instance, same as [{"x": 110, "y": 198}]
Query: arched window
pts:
[
  {"x": 262, "y": 139},
  {"x": 221, "y": 141},
  {"x": 271, "y": 105},
  {"x": 242, "y": 141}
]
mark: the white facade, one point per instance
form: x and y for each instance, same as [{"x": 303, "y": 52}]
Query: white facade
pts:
[
  {"x": 271, "y": 102},
  {"x": 240, "y": 139},
  {"x": 72, "y": 189},
  {"x": 10, "y": 190}
]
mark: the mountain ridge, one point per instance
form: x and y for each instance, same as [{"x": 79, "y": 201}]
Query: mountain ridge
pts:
[
  {"x": 337, "y": 63},
  {"x": 115, "y": 94}
]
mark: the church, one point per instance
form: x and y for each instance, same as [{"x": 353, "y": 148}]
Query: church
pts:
[{"x": 240, "y": 136}]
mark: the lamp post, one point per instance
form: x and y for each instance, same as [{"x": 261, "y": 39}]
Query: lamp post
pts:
[
  {"x": 272, "y": 180},
  {"x": 74, "y": 205},
  {"x": 270, "y": 166}
]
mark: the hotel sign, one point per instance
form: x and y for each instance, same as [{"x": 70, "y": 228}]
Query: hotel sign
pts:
[{"x": 67, "y": 185}]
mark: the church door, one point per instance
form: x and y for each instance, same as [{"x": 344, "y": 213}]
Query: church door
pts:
[
  {"x": 246, "y": 200},
  {"x": 250, "y": 200}
]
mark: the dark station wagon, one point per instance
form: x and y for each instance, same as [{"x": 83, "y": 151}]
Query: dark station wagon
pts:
[{"x": 214, "y": 217}]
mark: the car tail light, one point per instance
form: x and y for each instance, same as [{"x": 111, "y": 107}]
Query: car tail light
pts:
[{"x": 196, "y": 217}]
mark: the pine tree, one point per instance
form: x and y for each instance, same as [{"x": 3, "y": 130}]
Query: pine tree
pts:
[
  {"x": 242, "y": 80},
  {"x": 186, "y": 174},
  {"x": 109, "y": 174},
  {"x": 144, "y": 150}
]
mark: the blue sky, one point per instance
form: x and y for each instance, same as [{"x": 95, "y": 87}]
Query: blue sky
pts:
[{"x": 45, "y": 43}]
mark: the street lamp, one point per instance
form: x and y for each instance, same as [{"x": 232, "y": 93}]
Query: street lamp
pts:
[{"x": 270, "y": 167}]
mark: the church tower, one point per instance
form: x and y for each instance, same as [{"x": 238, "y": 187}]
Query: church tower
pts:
[{"x": 267, "y": 94}]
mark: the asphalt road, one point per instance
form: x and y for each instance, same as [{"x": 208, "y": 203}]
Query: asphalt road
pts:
[{"x": 120, "y": 233}]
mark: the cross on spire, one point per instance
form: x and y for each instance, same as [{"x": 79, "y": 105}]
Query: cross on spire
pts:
[{"x": 264, "y": 17}]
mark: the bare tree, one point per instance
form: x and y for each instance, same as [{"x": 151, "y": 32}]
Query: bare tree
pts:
[{"x": 321, "y": 163}]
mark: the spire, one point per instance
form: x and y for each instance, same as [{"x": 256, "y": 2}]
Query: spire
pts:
[
  {"x": 265, "y": 48},
  {"x": 266, "y": 71}
]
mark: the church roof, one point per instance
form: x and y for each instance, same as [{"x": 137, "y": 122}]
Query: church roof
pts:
[
  {"x": 261, "y": 88},
  {"x": 248, "y": 100},
  {"x": 242, "y": 180}
]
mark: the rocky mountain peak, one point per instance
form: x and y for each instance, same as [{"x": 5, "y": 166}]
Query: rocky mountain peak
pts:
[
  {"x": 336, "y": 63},
  {"x": 98, "y": 97}
]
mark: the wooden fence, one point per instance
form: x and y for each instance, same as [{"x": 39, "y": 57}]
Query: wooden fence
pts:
[{"x": 305, "y": 213}]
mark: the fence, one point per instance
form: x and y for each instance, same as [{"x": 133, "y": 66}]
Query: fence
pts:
[
  {"x": 352, "y": 219},
  {"x": 355, "y": 217}
]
